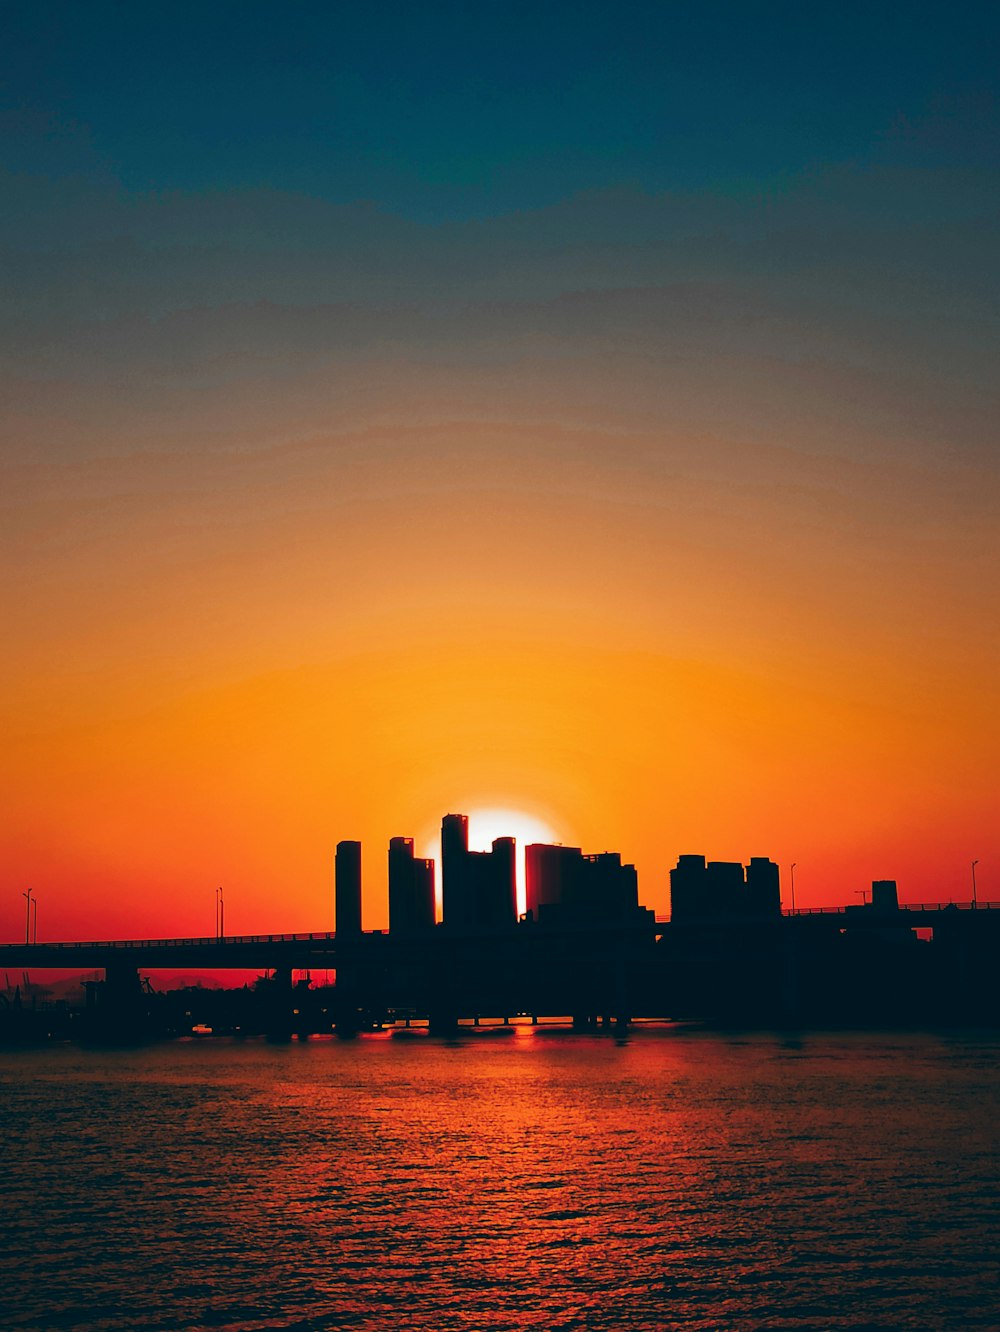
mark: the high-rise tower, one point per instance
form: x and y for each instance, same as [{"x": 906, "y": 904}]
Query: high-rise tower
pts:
[
  {"x": 347, "y": 892},
  {"x": 411, "y": 889},
  {"x": 479, "y": 889},
  {"x": 455, "y": 887}
]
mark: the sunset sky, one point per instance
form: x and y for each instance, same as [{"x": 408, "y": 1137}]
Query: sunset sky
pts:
[{"x": 586, "y": 411}]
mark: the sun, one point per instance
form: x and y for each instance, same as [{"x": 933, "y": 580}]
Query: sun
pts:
[{"x": 486, "y": 824}]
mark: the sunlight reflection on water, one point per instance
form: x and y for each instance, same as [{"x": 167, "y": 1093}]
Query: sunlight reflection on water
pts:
[{"x": 680, "y": 1179}]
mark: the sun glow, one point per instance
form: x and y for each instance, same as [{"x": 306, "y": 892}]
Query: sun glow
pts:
[{"x": 485, "y": 825}]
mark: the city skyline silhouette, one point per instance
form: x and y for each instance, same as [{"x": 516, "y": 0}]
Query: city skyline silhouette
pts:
[
  {"x": 500, "y": 689},
  {"x": 585, "y": 950}
]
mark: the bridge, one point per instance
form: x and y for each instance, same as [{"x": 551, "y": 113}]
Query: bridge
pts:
[
  {"x": 866, "y": 916},
  {"x": 263, "y": 952},
  {"x": 439, "y": 973},
  {"x": 643, "y": 966},
  {"x": 300, "y": 952},
  {"x": 923, "y": 913},
  {"x": 321, "y": 950}
]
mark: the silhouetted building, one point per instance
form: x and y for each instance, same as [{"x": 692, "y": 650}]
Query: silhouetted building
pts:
[
  {"x": 688, "y": 889},
  {"x": 763, "y": 887},
  {"x": 565, "y": 886},
  {"x": 723, "y": 890},
  {"x": 479, "y": 887},
  {"x": 456, "y": 901},
  {"x": 497, "y": 883},
  {"x": 548, "y": 873},
  {"x": 411, "y": 889},
  {"x": 884, "y": 895},
  {"x": 726, "y": 881},
  {"x": 607, "y": 889},
  {"x": 424, "y": 896},
  {"x": 347, "y": 893}
]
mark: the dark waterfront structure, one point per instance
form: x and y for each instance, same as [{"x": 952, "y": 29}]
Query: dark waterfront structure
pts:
[{"x": 585, "y": 950}]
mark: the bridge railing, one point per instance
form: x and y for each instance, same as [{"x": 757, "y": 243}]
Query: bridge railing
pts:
[
  {"x": 208, "y": 941},
  {"x": 329, "y": 936},
  {"x": 853, "y": 908},
  {"x": 903, "y": 906}
]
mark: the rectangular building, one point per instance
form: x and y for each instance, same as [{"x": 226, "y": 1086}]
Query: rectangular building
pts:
[
  {"x": 479, "y": 887},
  {"x": 411, "y": 889},
  {"x": 347, "y": 890}
]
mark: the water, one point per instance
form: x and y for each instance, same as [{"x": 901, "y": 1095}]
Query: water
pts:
[{"x": 681, "y": 1179}]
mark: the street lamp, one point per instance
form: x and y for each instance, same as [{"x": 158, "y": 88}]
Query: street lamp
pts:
[
  {"x": 27, "y": 915},
  {"x": 793, "y": 884},
  {"x": 220, "y": 914},
  {"x": 34, "y": 920},
  {"x": 974, "y": 864}
]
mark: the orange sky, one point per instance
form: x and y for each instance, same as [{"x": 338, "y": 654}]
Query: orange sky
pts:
[
  {"x": 535, "y": 409},
  {"x": 221, "y": 665}
]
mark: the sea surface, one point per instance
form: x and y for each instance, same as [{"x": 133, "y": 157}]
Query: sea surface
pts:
[{"x": 678, "y": 1178}]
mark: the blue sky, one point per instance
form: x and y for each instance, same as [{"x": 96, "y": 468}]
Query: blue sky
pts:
[
  {"x": 765, "y": 218},
  {"x": 441, "y": 111}
]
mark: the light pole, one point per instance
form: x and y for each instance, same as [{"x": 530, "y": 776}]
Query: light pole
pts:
[
  {"x": 974, "y": 864},
  {"x": 27, "y": 915},
  {"x": 220, "y": 914},
  {"x": 793, "y": 884},
  {"x": 34, "y": 920}
]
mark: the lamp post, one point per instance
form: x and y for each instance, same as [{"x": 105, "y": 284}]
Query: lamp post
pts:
[
  {"x": 220, "y": 913},
  {"x": 793, "y": 884},
  {"x": 27, "y": 915},
  {"x": 34, "y": 920},
  {"x": 974, "y": 864}
]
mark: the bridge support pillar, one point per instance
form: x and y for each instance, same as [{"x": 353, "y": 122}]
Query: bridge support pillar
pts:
[
  {"x": 442, "y": 1022},
  {"x": 623, "y": 1009},
  {"x": 117, "y": 1008},
  {"x": 346, "y": 1022},
  {"x": 790, "y": 997},
  {"x": 279, "y": 1014}
]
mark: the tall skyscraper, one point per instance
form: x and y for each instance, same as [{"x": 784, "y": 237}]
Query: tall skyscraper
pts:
[
  {"x": 424, "y": 897},
  {"x": 411, "y": 889},
  {"x": 347, "y": 891},
  {"x": 479, "y": 888},
  {"x": 455, "y": 888},
  {"x": 497, "y": 889}
]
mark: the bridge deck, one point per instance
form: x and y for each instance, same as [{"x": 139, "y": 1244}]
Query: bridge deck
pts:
[{"x": 319, "y": 948}]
